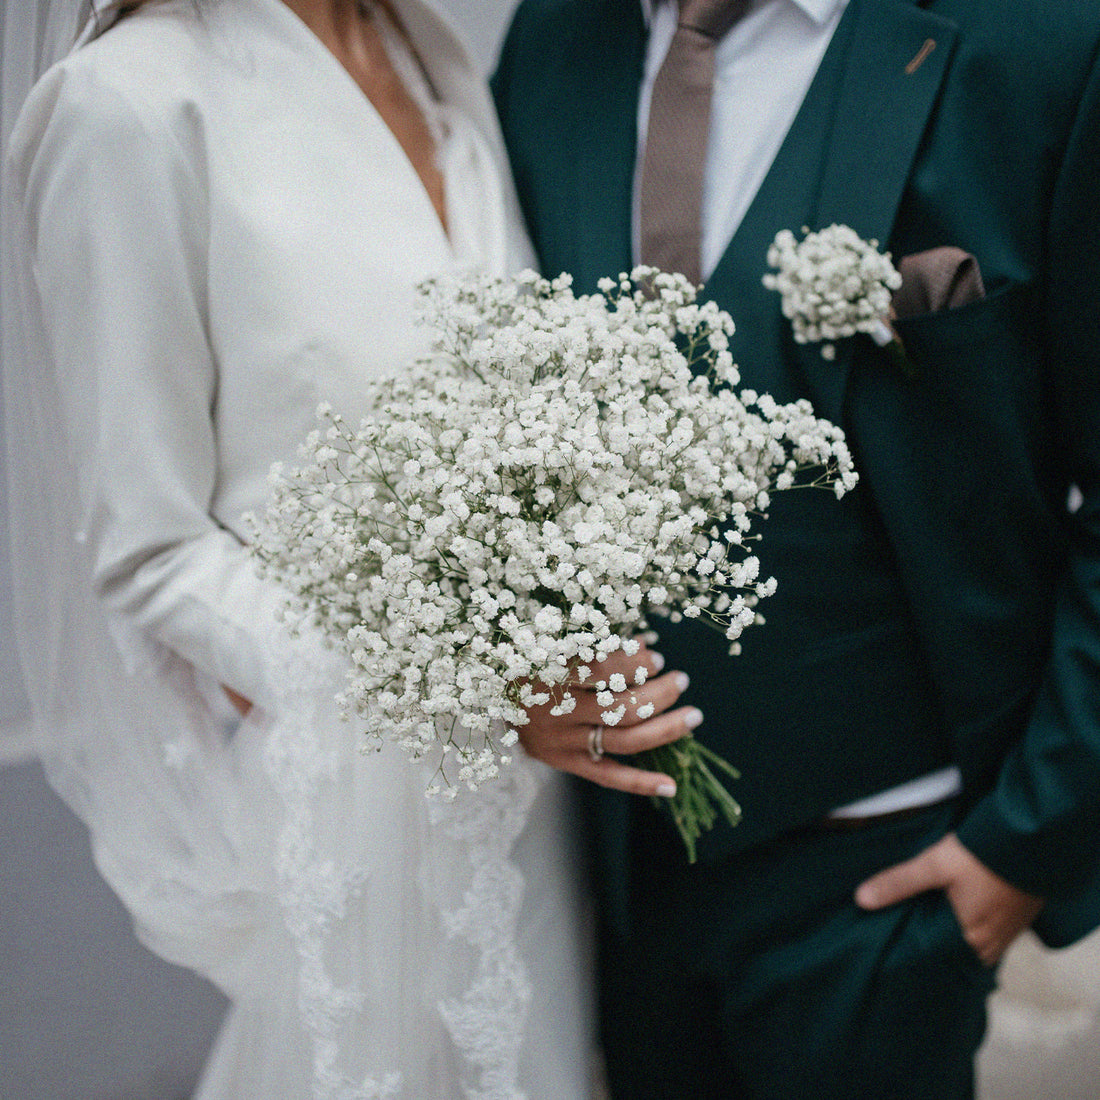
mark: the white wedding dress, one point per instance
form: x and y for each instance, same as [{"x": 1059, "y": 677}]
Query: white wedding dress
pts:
[{"x": 224, "y": 233}]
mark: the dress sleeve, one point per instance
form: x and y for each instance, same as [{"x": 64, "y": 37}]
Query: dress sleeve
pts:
[{"x": 116, "y": 204}]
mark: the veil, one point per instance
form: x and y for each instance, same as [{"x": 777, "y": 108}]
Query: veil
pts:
[
  {"x": 133, "y": 757},
  {"x": 224, "y": 838}
]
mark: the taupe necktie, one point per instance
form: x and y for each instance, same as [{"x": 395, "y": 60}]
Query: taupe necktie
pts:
[{"x": 676, "y": 143}]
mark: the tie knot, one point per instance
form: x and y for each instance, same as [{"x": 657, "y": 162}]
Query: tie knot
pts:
[{"x": 711, "y": 17}]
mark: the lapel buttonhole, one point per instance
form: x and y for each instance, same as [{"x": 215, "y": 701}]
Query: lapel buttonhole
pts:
[{"x": 921, "y": 56}]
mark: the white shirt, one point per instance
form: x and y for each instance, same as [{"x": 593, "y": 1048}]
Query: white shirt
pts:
[{"x": 763, "y": 68}]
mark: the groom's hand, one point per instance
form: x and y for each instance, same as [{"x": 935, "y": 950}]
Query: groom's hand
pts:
[
  {"x": 990, "y": 911},
  {"x": 565, "y": 741}
]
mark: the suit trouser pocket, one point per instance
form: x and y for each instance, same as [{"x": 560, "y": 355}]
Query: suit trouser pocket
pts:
[{"x": 761, "y": 979}]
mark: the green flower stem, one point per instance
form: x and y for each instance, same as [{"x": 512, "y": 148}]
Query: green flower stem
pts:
[
  {"x": 900, "y": 358},
  {"x": 700, "y": 794}
]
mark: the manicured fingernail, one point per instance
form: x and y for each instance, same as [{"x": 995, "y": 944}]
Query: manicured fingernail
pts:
[
  {"x": 667, "y": 790},
  {"x": 693, "y": 718},
  {"x": 867, "y": 897},
  {"x": 658, "y": 661},
  {"x": 682, "y": 680}
]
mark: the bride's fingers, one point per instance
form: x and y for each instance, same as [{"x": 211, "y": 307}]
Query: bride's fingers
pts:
[
  {"x": 630, "y": 707},
  {"x": 645, "y": 721},
  {"x": 619, "y": 664},
  {"x": 609, "y": 772},
  {"x": 650, "y": 734},
  {"x": 572, "y": 750},
  {"x": 627, "y": 741},
  {"x": 622, "y": 777}
]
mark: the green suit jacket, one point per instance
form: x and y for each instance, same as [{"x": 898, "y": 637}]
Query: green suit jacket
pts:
[{"x": 950, "y": 610}]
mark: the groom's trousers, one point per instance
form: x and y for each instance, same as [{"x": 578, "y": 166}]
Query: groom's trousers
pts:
[{"x": 757, "y": 978}]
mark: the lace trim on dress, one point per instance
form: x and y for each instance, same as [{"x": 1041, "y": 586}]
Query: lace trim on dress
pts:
[
  {"x": 313, "y": 891},
  {"x": 469, "y": 880},
  {"x": 488, "y": 1020}
]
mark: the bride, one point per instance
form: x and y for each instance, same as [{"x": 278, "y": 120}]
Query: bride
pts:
[{"x": 218, "y": 210}]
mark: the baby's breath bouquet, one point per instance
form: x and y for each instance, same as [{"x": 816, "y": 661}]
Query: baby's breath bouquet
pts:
[
  {"x": 834, "y": 284},
  {"x": 520, "y": 504}
]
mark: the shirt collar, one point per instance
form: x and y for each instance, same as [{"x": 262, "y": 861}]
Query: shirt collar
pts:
[{"x": 820, "y": 11}]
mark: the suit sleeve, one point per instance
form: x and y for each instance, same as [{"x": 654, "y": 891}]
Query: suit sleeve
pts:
[
  {"x": 1040, "y": 826},
  {"x": 116, "y": 207}
]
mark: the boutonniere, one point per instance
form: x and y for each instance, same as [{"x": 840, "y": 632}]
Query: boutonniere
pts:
[{"x": 834, "y": 284}]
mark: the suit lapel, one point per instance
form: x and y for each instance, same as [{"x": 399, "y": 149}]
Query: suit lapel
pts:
[
  {"x": 604, "y": 137},
  {"x": 604, "y": 143},
  {"x": 846, "y": 159},
  {"x": 899, "y": 57}
]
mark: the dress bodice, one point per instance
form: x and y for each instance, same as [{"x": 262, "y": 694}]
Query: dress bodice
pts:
[{"x": 248, "y": 235}]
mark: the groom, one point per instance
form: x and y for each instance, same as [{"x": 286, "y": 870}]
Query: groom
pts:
[{"x": 918, "y": 723}]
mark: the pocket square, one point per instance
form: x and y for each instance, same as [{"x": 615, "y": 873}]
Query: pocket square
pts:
[{"x": 941, "y": 278}]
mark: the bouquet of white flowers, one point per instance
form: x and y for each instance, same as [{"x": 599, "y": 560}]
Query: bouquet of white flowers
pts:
[{"x": 525, "y": 500}]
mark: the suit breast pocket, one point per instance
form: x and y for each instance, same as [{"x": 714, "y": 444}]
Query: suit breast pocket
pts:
[
  {"x": 980, "y": 363},
  {"x": 1005, "y": 319},
  {"x": 967, "y": 441}
]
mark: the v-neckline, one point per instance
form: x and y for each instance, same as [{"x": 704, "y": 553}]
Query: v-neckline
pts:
[{"x": 298, "y": 28}]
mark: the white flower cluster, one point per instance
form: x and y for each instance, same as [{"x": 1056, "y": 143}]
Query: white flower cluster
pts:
[
  {"x": 833, "y": 284},
  {"x": 516, "y": 505}
]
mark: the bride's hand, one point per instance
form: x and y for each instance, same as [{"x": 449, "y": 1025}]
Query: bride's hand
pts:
[{"x": 567, "y": 741}]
